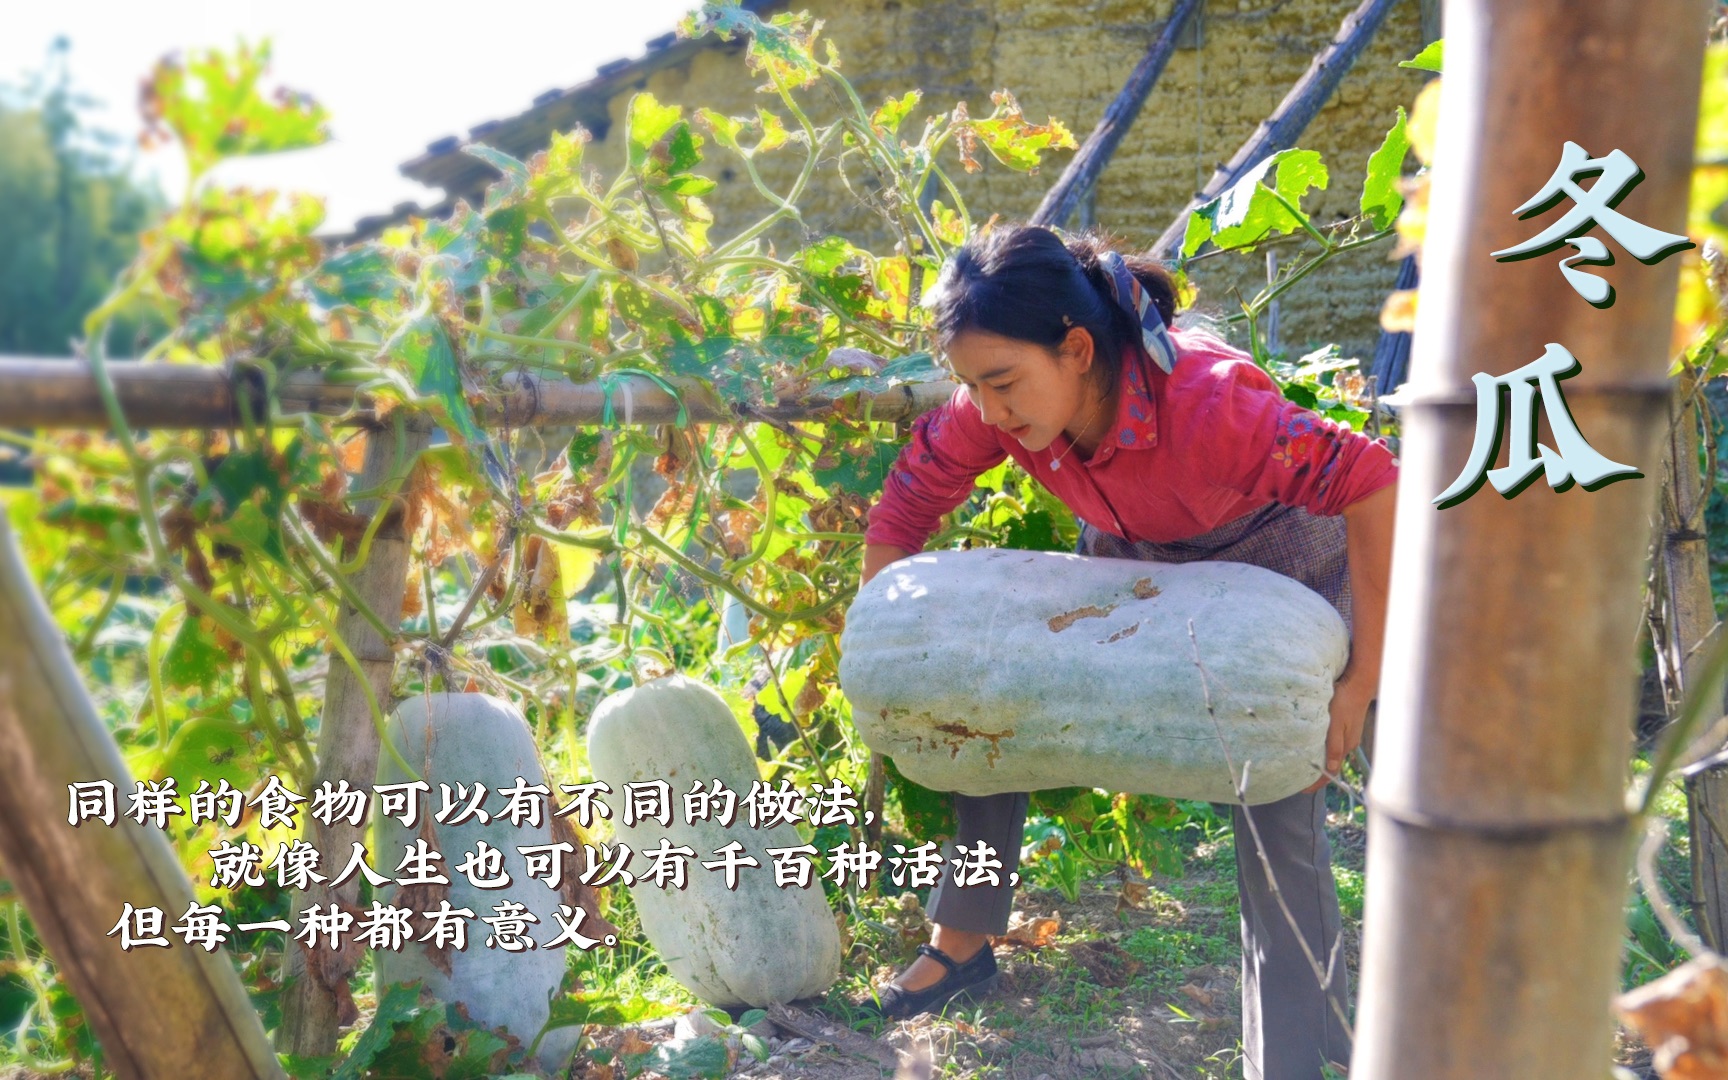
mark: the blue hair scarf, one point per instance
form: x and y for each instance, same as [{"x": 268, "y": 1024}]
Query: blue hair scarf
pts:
[{"x": 1132, "y": 297}]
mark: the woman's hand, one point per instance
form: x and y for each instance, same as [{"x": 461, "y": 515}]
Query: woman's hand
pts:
[
  {"x": 876, "y": 556},
  {"x": 1351, "y": 695}
]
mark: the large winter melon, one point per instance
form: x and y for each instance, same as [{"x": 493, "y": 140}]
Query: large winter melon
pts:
[
  {"x": 753, "y": 945},
  {"x": 993, "y": 670}
]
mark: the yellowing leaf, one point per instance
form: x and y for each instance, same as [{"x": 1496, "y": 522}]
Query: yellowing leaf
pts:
[
  {"x": 1398, "y": 315},
  {"x": 1684, "y": 1017},
  {"x": 576, "y": 566},
  {"x": 1424, "y": 122}
]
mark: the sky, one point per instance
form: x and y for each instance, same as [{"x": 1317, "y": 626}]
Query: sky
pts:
[{"x": 394, "y": 76}]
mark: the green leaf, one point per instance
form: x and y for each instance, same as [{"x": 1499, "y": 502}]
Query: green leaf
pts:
[
  {"x": 353, "y": 276},
  {"x": 193, "y": 660},
  {"x": 725, "y": 129},
  {"x": 1299, "y": 171},
  {"x": 213, "y": 104},
  {"x": 702, "y": 1058},
  {"x": 919, "y": 367},
  {"x": 683, "y": 150},
  {"x": 425, "y": 353},
  {"x": 827, "y": 255},
  {"x": 774, "y": 133},
  {"x": 646, "y": 123},
  {"x": 584, "y": 451},
  {"x": 1034, "y": 530},
  {"x": 306, "y": 1068},
  {"x": 783, "y": 44},
  {"x": 246, "y": 491},
  {"x": 738, "y": 369},
  {"x": 861, "y": 470},
  {"x": 1381, "y": 199},
  {"x": 1202, "y": 225},
  {"x": 1019, "y": 144},
  {"x": 399, "y": 1005},
  {"x": 460, "y": 239},
  {"x": 686, "y": 184},
  {"x": 895, "y": 110},
  {"x": 511, "y": 187},
  {"x": 1248, "y": 212},
  {"x": 1428, "y": 59},
  {"x": 927, "y": 814},
  {"x": 605, "y": 1009},
  {"x": 210, "y": 748}
]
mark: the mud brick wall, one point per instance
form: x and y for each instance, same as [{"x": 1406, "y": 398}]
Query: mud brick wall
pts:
[{"x": 1069, "y": 59}]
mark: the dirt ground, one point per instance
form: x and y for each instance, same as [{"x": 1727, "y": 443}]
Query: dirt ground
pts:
[{"x": 1140, "y": 980}]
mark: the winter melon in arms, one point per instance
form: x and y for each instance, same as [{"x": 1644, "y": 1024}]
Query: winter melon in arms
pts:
[
  {"x": 993, "y": 670},
  {"x": 753, "y": 945}
]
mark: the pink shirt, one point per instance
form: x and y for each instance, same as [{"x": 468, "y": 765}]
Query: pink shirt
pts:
[{"x": 1190, "y": 451}]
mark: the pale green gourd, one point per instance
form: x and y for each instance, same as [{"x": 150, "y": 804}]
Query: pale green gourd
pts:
[
  {"x": 754, "y": 946},
  {"x": 996, "y": 670},
  {"x": 463, "y": 739}
]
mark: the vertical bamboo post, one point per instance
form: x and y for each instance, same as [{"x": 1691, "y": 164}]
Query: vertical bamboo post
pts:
[
  {"x": 176, "y": 1013},
  {"x": 1690, "y": 615},
  {"x": 1499, "y": 841},
  {"x": 348, "y": 742}
]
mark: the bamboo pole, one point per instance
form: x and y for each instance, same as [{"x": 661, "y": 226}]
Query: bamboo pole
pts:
[
  {"x": 176, "y": 1013},
  {"x": 1088, "y": 162},
  {"x": 45, "y": 393},
  {"x": 1287, "y": 122},
  {"x": 315, "y": 1000},
  {"x": 1499, "y": 840},
  {"x": 1689, "y": 611}
]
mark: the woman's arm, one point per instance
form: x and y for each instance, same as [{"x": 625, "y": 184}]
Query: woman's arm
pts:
[
  {"x": 1368, "y": 529},
  {"x": 934, "y": 473}
]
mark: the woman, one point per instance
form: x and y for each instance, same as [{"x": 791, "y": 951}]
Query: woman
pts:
[{"x": 1168, "y": 445}]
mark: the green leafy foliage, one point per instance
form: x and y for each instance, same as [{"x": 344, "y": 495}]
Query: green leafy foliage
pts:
[
  {"x": 1252, "y": 210},
  {"x": 1075, "y": 833},
  {"x": 211, "y": 105},
  {"x": 1429, "y": 59},
  {"x": 1381, "y": 199}
]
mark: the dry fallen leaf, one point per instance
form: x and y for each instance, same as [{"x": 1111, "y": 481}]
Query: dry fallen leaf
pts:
[
  {"x": 1133, "y": 892},
  {"x": 1033, "y": 932},
  {"x": 1684, "y": 1017},
  {"x": 634, "y": 1043},
  {"x": 1198, "y": 994}
]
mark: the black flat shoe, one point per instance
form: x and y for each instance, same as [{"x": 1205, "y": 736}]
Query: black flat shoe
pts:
[{"x": 975, "y": 977}]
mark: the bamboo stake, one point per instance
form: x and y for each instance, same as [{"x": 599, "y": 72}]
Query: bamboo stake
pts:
[
  {"x": 176, "y": 1013},
  {"x": 348, "y": 744},
  {"x": 1499, "y": 839},
  {"x": 1088, "y": 163},
  {"x": 38, "y": 392},
  {"x": 1287, "y": 122},
  {"x": 1690, "y": 616}
]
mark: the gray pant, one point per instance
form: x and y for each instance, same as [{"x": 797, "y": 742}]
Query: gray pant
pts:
[{"x": 1288, "y": 1024}]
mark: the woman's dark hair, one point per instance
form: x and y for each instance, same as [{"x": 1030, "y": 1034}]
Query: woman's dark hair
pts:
[{"x": 1018, "y": 281}]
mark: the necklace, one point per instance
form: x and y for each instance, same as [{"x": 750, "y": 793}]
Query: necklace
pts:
[{"x": 1056, "y": 463}]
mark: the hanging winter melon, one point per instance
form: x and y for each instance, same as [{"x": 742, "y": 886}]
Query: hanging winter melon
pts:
[
  {"x": 753, "y": 945},
  {"x": 993, "y": 670}
]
